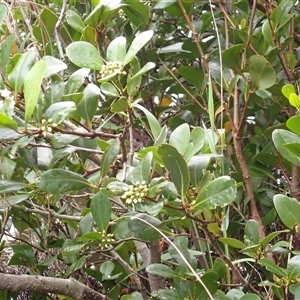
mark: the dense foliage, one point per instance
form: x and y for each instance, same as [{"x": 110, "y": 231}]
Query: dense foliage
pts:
[{"x": 149, "y": 149}]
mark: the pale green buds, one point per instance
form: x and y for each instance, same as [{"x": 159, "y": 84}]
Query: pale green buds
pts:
[{"x": 135, "y": 193}]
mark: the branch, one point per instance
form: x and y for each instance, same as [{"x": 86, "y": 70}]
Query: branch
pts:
[{"x": 40, "y": 284}]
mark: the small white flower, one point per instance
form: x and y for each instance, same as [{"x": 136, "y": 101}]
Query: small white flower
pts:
[{"x": 5, "y": 93}]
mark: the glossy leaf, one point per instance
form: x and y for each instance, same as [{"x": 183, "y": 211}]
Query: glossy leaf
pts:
[
  {"x": 32, "y": 87},
  {"x": 137, "y": 44},
  {"x": 101, "y": 210},
  {"x": 109, "y": 156},
  {"x": 116, "y": 50},
  {"x": 294, "y": 100},
  {"x": 84, "y": 55},
  {"x": 17, "y": 76},
  {"x": 197, "y": 164},
  {"x": 142, "y": 171},
  {"x": 252, "y": 232},
  {"x": 76, "y": 80},
  {"x": 280, "y": 138},
  {"x": 177, "y": 167},
  {"x": 233, "y": 243},
  {"x": 87, "y": 107},
  {"x": 74, "y": 20},
  {"x": 293, "y": 267},
  {"x": 5, "y": 121},
  {"x": 142, "y": 230},
  {"x": 192, "y": 75},
  {"x": 57, "y": 181},
  {"x": 7, "y": 186},
  {"x": 219, "y": 192},
  {"x": 293, "y": 124},
  {"x": 54, "y": 65},
  {"x": 232, "y": 58},
  {"x": 180, "y": 138},
  {"x": 6, "y": 48},
  {"x": 153, "y": 123},
  {"x": 147, "y": 67},
  {"x": 287, "y": 90},
  {"x": 58, "y": 112},
  {"x": 162, "y": 271},
  {"x": 288, "y": 210},
  {"x": 262, "y": 74},
  {"x": 109, "y": 89}
]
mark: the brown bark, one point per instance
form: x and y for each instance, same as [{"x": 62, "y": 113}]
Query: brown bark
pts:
[{"x": 31, "y": 283}]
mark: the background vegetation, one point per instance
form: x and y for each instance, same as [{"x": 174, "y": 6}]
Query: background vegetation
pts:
[{"x": 149, "y": 149}]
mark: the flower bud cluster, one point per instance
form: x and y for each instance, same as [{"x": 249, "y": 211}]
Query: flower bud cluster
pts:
[
  {"x": 47, "y": 126},
  {"x": 121, "y": 14},
  {"x": 107, "y": 240},
  {"x": 110, "y": 68},
  {"x": 135, "y": 193}
]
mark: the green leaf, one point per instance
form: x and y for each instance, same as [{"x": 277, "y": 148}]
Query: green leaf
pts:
[
  {"x": 294, "y": 100},
  {"x": 74, "y": 20},
  {"x": 192, "y": 75},
  {"x": 181, "y": 243},
  {"x": 116, "y": 51},
  {"x": 147, "y": 67},
  {"x": 142, "y": 230},
  {"x": 197, "y": 164},
  {"x": 231, "y": 58},
  {"x": 87, "y": 107},
  {"x": 76, "y": 80},
  {"x": 262, "y": 74},
  {"x": 3, "y": 12},
  {"x": 153, "y": 123},
  {"x": 220, "y": 267},
  {"x": 32, "y": 87},
  {"x": 57, "y": 181},
  {"x": 109, "y": 89},
  {"x": 6, "y": 47},
  {"x": 180, "y": 138},
  {"x": 293, "y": 124},
  {"x": 60, "y": 111},
  {"x": 86, "y": 224},
  {"x": 17, "y": 76},
  {"x": 161, "y": 4},
  {"x": 265, "y": 242},
  {"x": 219, "y": 192},
  {"x": 282, "y": 137},
  {"x": 251, "y": 231},
  {"x": 177, "y": 167},
  {"x": 101, "y": 210},
  {"x": 54, "y": 65},
  {"x": 91, "y": 236},
  {"x": 7, "y": 186},
  {"x": 7, "y": 122},
  {"x": 288, "y": 210},
  {"x": 234, "y": 294},
  {"x": 162, "y": 271},
  {"x": 272, "y": 267},
  {"x": 84, "y": 55},
  {"x": 106, "y": 269},
  {"x": 121, "y": 105},
  {"x": 109, "y": 156},
  {"x": 293, "y": 267},
  {"x": 169, "y": 191},
  {"x": 294, "y": 148},
  {"x": 287, "y": 90},
  {"x": 234, "y": 243},
  {"x": 142, "y": 171},
  {"x": 137, "y": 44},
  {"x": 198, "y": 140}
]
